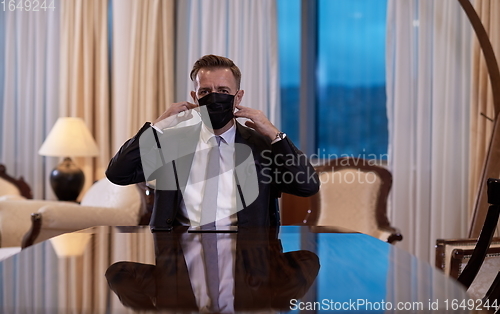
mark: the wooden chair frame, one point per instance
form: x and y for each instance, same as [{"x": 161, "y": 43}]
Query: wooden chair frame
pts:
[
  {"x": 22, "y": 186},
  {"x": 441, "y": 244},
  {"x": 458, "y": 255},
  {"x": 481, "y": 248}
]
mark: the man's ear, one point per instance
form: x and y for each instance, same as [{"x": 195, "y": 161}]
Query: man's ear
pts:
[
  {"x": 193, "y": 95},
  {"x": 238, "y": 97}
]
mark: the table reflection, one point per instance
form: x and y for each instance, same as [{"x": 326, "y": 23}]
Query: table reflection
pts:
[
  {"x": 254, "y": 273},
  {"x": 131, "y": 270}
]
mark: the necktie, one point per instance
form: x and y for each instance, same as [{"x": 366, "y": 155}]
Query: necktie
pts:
[
  {"x": 209, "y": 202},
  {"x": 208, "y": 216},
  {"x": 210, "y": 254}
]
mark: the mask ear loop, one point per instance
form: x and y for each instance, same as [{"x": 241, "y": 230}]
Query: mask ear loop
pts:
[
  {"x": 234, "y": 100},
  {"x": 198, "y": 104}
]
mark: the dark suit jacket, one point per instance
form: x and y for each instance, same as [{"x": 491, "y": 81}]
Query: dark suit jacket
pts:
[
  {"x": 265, "y": 278},
  {"x": 280, "y": 167}
]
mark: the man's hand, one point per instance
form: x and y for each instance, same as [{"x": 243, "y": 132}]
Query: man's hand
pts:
[
  {"x": 258, "y": 121},
  {"x": 171, "y": 116}
]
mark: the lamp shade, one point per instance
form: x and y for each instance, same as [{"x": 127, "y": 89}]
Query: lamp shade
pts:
[
  {"x": 70, "y": 244},
  {"x": 69, "y": 137}
]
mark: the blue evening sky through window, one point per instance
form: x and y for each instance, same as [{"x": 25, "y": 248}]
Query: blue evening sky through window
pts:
[
  {"x": 351, "y": 97},
  {"x": 352, "y": 30}
]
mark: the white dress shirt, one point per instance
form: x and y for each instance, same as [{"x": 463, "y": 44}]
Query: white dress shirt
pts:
[
  {"x": 196, "y": 184},
  {"x": 227, "y": 192}
]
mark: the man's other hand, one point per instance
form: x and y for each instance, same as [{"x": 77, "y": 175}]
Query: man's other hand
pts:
[
  {"x": 172, "y": 116},
  {"x": 258, "y": 121}
]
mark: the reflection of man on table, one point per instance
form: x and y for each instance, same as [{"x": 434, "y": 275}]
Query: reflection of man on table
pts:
[
  {"x": 188, "y": 193},
  {"x": 256, "y": 274}
]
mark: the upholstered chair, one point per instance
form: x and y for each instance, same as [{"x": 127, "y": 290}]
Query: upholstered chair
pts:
[
  {"x": 12, "y": 188},
  {"x": 476, "y": 262},
  {"x": 104, "y": 204},
  {"x": 353, "y": 196},
  {"x": 12, "y": 225},
  {"x": 453, "y": 255}
]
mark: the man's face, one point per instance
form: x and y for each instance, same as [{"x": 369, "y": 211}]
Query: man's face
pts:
[{"x": 216, "y": 80}]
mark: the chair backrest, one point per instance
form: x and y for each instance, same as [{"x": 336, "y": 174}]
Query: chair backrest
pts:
[
  {"x": 486, "y": 274},
  {"x": 476, "y": 266},
  {"x": 104, "y": 193},
  {"x": 12, "y": 186},
  {"x": 353, "y": 195},
  {"x": 485, "y": 237},
  {"x": 447, "y": 248}
]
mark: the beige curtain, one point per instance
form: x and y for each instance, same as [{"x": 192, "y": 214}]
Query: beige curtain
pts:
[
  {"x": 32, "y": 280},
  {"x": 481, "y": 109},
  {"x": 84, "y": 83},
  {"x": 143, "y": 64}
]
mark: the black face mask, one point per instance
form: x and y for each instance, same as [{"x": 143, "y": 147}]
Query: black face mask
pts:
[{"x": 219, "y": 107}]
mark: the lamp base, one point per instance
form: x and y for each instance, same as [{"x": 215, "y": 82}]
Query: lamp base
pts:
[{"x": 67, "y": 180}]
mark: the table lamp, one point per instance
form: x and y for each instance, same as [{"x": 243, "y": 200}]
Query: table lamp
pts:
[{"x": 69, "y": 137}]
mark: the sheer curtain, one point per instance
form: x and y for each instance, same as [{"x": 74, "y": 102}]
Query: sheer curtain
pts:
[
  {"x": 32, "y": 281},
  {"x": 428, "y": 93},
  {"x": 29, "y": 93},
  {"x": 244, "y": 31}
]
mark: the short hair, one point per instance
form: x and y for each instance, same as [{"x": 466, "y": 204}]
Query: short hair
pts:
[{"x": 212, "y": 62}]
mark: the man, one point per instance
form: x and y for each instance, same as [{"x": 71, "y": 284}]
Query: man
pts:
[{"x": 241, "y": 195}]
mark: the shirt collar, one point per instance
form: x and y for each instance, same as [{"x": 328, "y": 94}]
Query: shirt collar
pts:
[{"x": 228, "y": 136}]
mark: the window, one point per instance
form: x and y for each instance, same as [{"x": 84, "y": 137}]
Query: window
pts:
[
  {"x": 289, "y": 62},
  {"x": 351, "y": 102}
]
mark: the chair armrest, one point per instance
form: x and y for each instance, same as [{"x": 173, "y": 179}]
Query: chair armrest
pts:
[
  {"x": 390, "y": 234},
  {"x": 78, "y": 217},
  {"x": 15, "y": 219},
  {"x": 56, "y": 219}
]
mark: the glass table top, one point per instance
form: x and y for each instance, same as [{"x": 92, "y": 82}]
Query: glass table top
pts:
[{"x": 289, "y": 269}]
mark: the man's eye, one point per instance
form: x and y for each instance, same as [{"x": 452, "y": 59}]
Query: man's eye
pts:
[
  {"x": 224, "y": 91},
  {"x": 202, "y": 92}
]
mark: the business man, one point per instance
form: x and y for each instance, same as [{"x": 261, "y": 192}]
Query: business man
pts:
[{"x": 253, "y": 164}]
